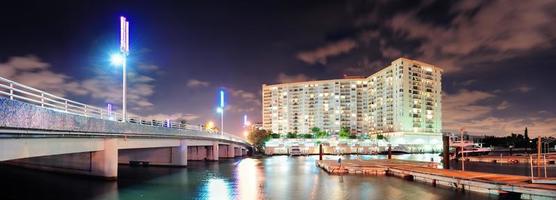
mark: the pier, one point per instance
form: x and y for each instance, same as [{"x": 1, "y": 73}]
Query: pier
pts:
[
  {"x": 514, "y": 159},
  {"x": 496, "y": 184}
]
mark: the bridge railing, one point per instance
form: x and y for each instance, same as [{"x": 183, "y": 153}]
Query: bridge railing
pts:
[{"x": 20, "y": 92}]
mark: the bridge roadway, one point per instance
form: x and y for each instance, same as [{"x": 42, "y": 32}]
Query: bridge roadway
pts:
[{"x": 38, "y": 137}]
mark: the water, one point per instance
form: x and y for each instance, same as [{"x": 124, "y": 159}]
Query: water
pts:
[{"x": 278, "y": 177}]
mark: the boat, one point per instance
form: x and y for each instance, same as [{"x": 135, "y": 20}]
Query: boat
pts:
[
  {"x": 295, "y": 151},
  {"x": 397, "y": 150},
  {"x": 469, "y": 149}
]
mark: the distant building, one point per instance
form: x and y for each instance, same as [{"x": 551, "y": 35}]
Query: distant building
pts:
[{"x": 401, "y": 101}]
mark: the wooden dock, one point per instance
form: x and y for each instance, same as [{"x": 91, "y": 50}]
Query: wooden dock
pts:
[
  {"x": 371, "y": 167},
  {"x": 516, "y": 159},
  {"x": 498, "y": 184}
]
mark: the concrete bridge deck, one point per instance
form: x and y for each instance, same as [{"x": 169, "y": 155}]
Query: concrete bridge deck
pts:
[{"x": 39, "y": 137}]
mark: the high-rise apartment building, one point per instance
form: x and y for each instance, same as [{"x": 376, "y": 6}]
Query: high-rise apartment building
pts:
[{"x": 401, "y": 101}]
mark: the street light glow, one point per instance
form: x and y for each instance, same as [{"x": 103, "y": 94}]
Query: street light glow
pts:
[
  {"x": 220, "y": 110},
  {"x": 222, "y": 98},
  {"x": 246, "y": 122},
  {"x": 117, "y": 59},
  {"x": 209, "y": 126}
]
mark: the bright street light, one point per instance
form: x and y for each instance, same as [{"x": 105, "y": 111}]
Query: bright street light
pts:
[
  {"x": 209, "y": 126},
  {"x": 117, "y": 59},
  {"x": 245, "y": 133},
  {"x": 220, "y": 110}
]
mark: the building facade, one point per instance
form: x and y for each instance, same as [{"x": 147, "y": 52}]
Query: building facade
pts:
[{"x": 401, "y": 102}]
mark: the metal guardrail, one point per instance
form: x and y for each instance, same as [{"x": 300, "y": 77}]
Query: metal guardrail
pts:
[{"x": 20, "y": 92}]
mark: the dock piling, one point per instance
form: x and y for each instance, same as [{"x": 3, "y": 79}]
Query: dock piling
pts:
[
  {"x": 446, "y": 152},
  {"x": 320, "y": 151},
  {"x": 389, "y": 152}
]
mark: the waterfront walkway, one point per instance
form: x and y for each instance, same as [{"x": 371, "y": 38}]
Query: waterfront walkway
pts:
[
  {"x": 514, "y": 159},
  {"x": 429, "y": 173},
  {"x": 375, "y": 167}
]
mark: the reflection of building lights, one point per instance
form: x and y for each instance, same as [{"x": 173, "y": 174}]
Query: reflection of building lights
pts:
[
  {"x": 217, "y": 189},
  {"x": 247, "y": 175}
]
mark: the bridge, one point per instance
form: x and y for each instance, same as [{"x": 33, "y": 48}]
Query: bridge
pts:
[{"x": 43, "y": 131}]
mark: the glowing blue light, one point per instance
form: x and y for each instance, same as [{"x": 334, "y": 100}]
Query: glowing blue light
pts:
[
  {"x": 219, "y": 110},
  {"x": 222, "y": 98}
]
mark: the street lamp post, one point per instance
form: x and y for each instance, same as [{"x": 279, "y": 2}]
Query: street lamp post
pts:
[
  {"x": 124, "y": 49},
  {"x": 220, "y": 110},
  {"x": 246, "y": 125}
]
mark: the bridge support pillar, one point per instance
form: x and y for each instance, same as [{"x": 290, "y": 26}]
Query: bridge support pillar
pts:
[
  {"x": 237, "y": 151},
  {"x": 231, "y": 151},
  {"x": 213, "y": 152},
  {"x": 179, "y": 155},
  {"x": 105, "y": 163}
]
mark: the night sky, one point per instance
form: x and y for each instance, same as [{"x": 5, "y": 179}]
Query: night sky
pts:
[{"x": 499, "y": 57}]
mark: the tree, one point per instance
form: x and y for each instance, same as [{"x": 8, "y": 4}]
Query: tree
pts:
[
  {"x": 291, "y": 135},
  {"x": 381, "y": 137},
  {"x": 258, "y": 138},
  {"x": 322, "y": 134},
  {"x": 344, "y": 132},
  {"x": 317, "y": 133},
  {"x": 315, "y": 130}
]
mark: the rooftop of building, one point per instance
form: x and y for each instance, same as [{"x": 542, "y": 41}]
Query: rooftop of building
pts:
[{"x": 351, "y": 77}]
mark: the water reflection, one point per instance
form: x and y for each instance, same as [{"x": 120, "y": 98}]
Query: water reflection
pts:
[
  {"x": 278, "y": 177},
  {"x": 249, "y": 177},
  {"x": 216, "y": 189}
]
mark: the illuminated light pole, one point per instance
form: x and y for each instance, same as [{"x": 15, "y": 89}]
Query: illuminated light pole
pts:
[
  {"x": 246, "y": 122},
  {"x": 220, "y": 110},
  {"x": 246, "y": 125},
  {"x": 109, "y": 109},
  {"x": 120, "y": 59}
]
